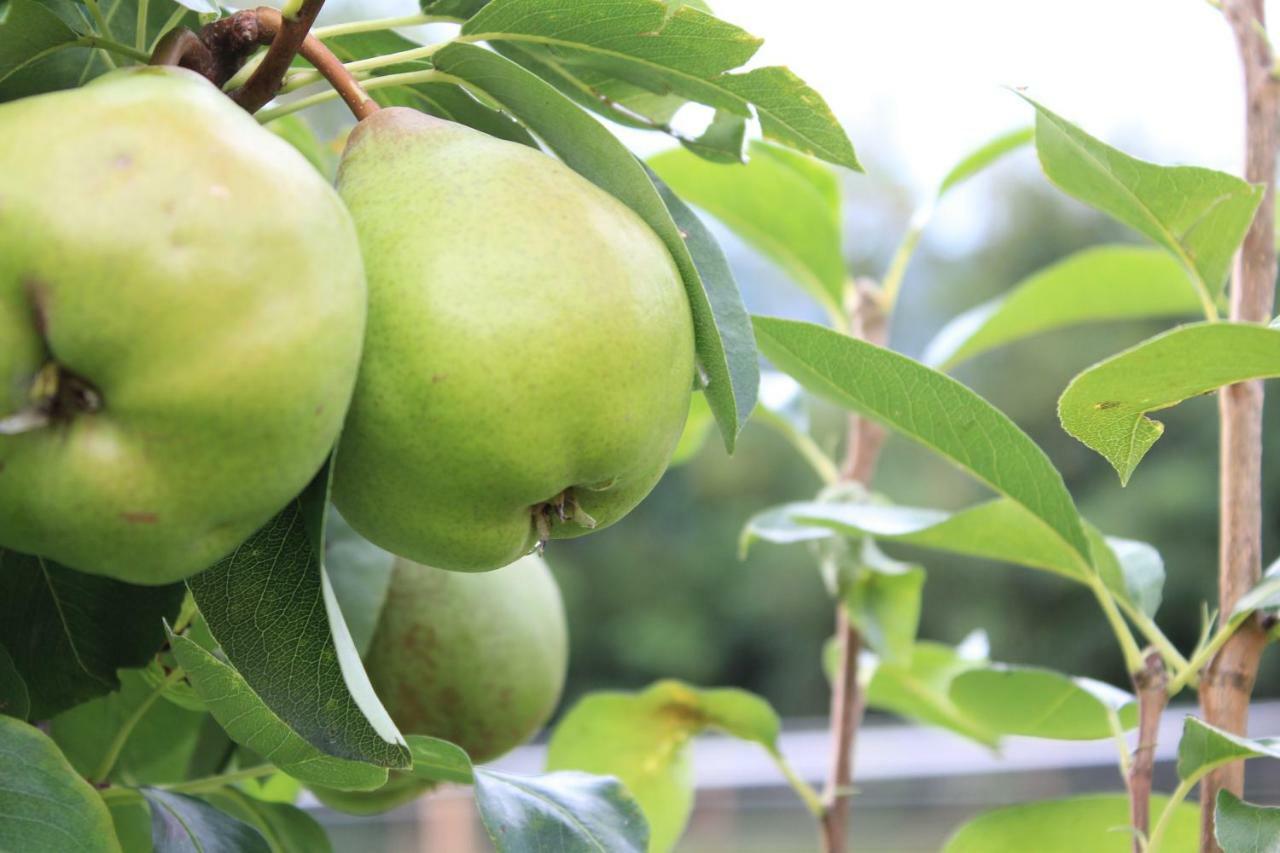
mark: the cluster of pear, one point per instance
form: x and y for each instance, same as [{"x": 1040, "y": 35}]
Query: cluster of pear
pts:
[{"x": 190, "y": 315}]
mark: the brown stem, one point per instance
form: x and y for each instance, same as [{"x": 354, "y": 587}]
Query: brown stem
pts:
[
  {"x": 1227, "y": 682},
  {"x": 1151, "y": 683},
  {"x": 183, "y": 48},
  {"x": 862, "y": 451},
  {"x": 273, "y": 29}
]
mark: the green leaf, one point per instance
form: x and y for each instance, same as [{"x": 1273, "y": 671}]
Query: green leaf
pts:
[
  {"x": 460, "y": 9},
  {"x": 86, "y": 732},
  {"x": 63, "y": 629},
  {"x": 985, "y": 156},
  {"x": 882, "y": 599},
  {"x": 1098, "y": 823},
  {"x": 272, "y": 610},
  {"x": 1205, "y": 748},
  {"x": 567, "y": 812},
  {"x": 930, "y": 408},
  {"x": 696, "y": 427},
  {"x": 788, "y": 214},
  {"x": 721, "y": 140},
  {"x": 1265, "y": 596},
  {"x": 1032, "y": 702},
  {"x": 1241, "y": 827},
  {"x": 295, "y": 130},
  {"x": 285, "y": 827},
  {"x": 918, "y": 688},
  {"x": 1198, "y": 215},
  {"x": 132, "y": 821},
  {"x": 1132, "y": 570},
  {"x": 726, "y": 351},
  {"x": 46, "y": 805},
  {"x": 360, "y": 573},
  {"x": 182, "y": 824},
  {"x": 665, "y": 50},
  {"x": 1105, "y": 407},
  {"x": 249, "y": 721},
  {"x": 643, "y": 738},
  {"x": 15, "y": 701},
  {"x": 1099, "y": 284},
  {"x": 436, "y": 760}
]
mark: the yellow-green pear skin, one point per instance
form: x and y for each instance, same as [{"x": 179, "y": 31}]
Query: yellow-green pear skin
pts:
[
  {"x": 530, "y": 353},
  {"x": 477, "y": 659},
  {"x": 182, "y": 298}
]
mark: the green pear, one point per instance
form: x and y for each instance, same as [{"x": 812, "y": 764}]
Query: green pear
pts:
[
  {"x": 530, "y": 356},
  {"x": 477, "y": 659},
  {"x": 182, "y": 305}
]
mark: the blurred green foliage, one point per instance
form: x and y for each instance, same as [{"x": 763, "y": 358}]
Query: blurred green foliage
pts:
[{"x": 663, "y": 594}]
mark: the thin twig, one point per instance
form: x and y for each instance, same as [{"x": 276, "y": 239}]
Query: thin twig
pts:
[
  {"x": 1227, "y": 683},
  {"x": 869, "y": 323},
  {"x": 1150, "y": 685},
  {"x": 272, "y": 28},
  {"x": 269, "y": 76}
]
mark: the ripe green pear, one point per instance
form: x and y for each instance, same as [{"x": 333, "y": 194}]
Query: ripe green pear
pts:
[
  {"x": 530, "y": 353},
  {"x": 181, "y": 314},
  {"x": 478, "y": 659}
]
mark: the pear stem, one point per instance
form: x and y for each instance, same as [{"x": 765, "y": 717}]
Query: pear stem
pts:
[
  {"x": 273, "y": 28},
  {"x": 286, "y": 38}
]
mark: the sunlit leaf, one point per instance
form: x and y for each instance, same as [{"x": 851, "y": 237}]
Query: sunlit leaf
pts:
[
  {"x": 1016, "y": 700},
  {"x": 1098, "y": 823},
  {"x": 1204, "y": 748}
]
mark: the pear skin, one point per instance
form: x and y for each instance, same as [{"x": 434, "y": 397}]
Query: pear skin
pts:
[
  {"x": 182, "y": 304},
  {"x": 530, "y": 353}
]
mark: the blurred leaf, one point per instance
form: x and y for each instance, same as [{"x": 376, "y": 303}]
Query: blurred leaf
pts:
[
  {"x": 1241, "y": 827},
  {"x": 87, "y": 731},
  {"x": 932, "y": 409},
  {"x": 1205, "y": 748},
  {"x": 452, "y": 8},
  {"x": 1033, "y": 702},
  {"x": 1105, "y": 406},
  {"x": 1198, "y": 215},
  {"x": 785, "y": 213},
  {"x": 360, "y": 573},
  {"x": 919, "y": 689},
  {"x": 567, "y": 812},
  {"x": 46, "y": 805},
  {"x": 1093, "y": 285},
  {"x": 725, "y": 348},
  {"x": 271, "y": 608},
  {"x": 295, "y": 130},
  {"x": 1133, "y": 571},
  {"x": 1265, "y": 596},
  {"x": 285, "y": 828},
  {"x": 14, "y": 699},
  {"x": 250, "y": 722},
  {"x": 984, "y": 156},
  {"x": 663, "y": 49},
  {"x": 721, "y": 140},
  {"x": 643, "y": 738},
  {"x": 1094, "y": 822},
  {"x": 182, "y": 824},
  {"x": 131, "y": 819},
  {"x": 696, "y": 427},
  {"x": 63, "y": 629},
  {"x": 882, "y": 599}
]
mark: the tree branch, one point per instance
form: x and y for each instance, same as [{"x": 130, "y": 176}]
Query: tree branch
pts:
[
  {"x": 1151, "y": 685},
  {"x": 868, "y": 322},
  {"x": 1227, "y": 683},
  {"x": 287, "y": 40}
]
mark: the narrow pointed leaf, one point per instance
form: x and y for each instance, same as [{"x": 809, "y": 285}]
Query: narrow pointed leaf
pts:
[
  {"x": 1032, "y": 702},
  {"x": 984, "y": 157},
  {"x": 1241, "y": 827},
  {"x": 785, "y": 213},
  {"x": 1198, "y": 215},
  {"x": 44, "y": 803},
  {"x": 249, "y": 721},
  {"x": 1094, "y": 285},
  {"x": 1106, "y": 406},
  {"x": 63, "y": 631},
  {"x": 1094, "y": 822},
  {"x": 182, "y": 824},
  {"x": 273, "y": 612},
  {"x": 726, "y": 351},
  {"x": 932, "y": 409},
  {"x": 567, "y": 812}
]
